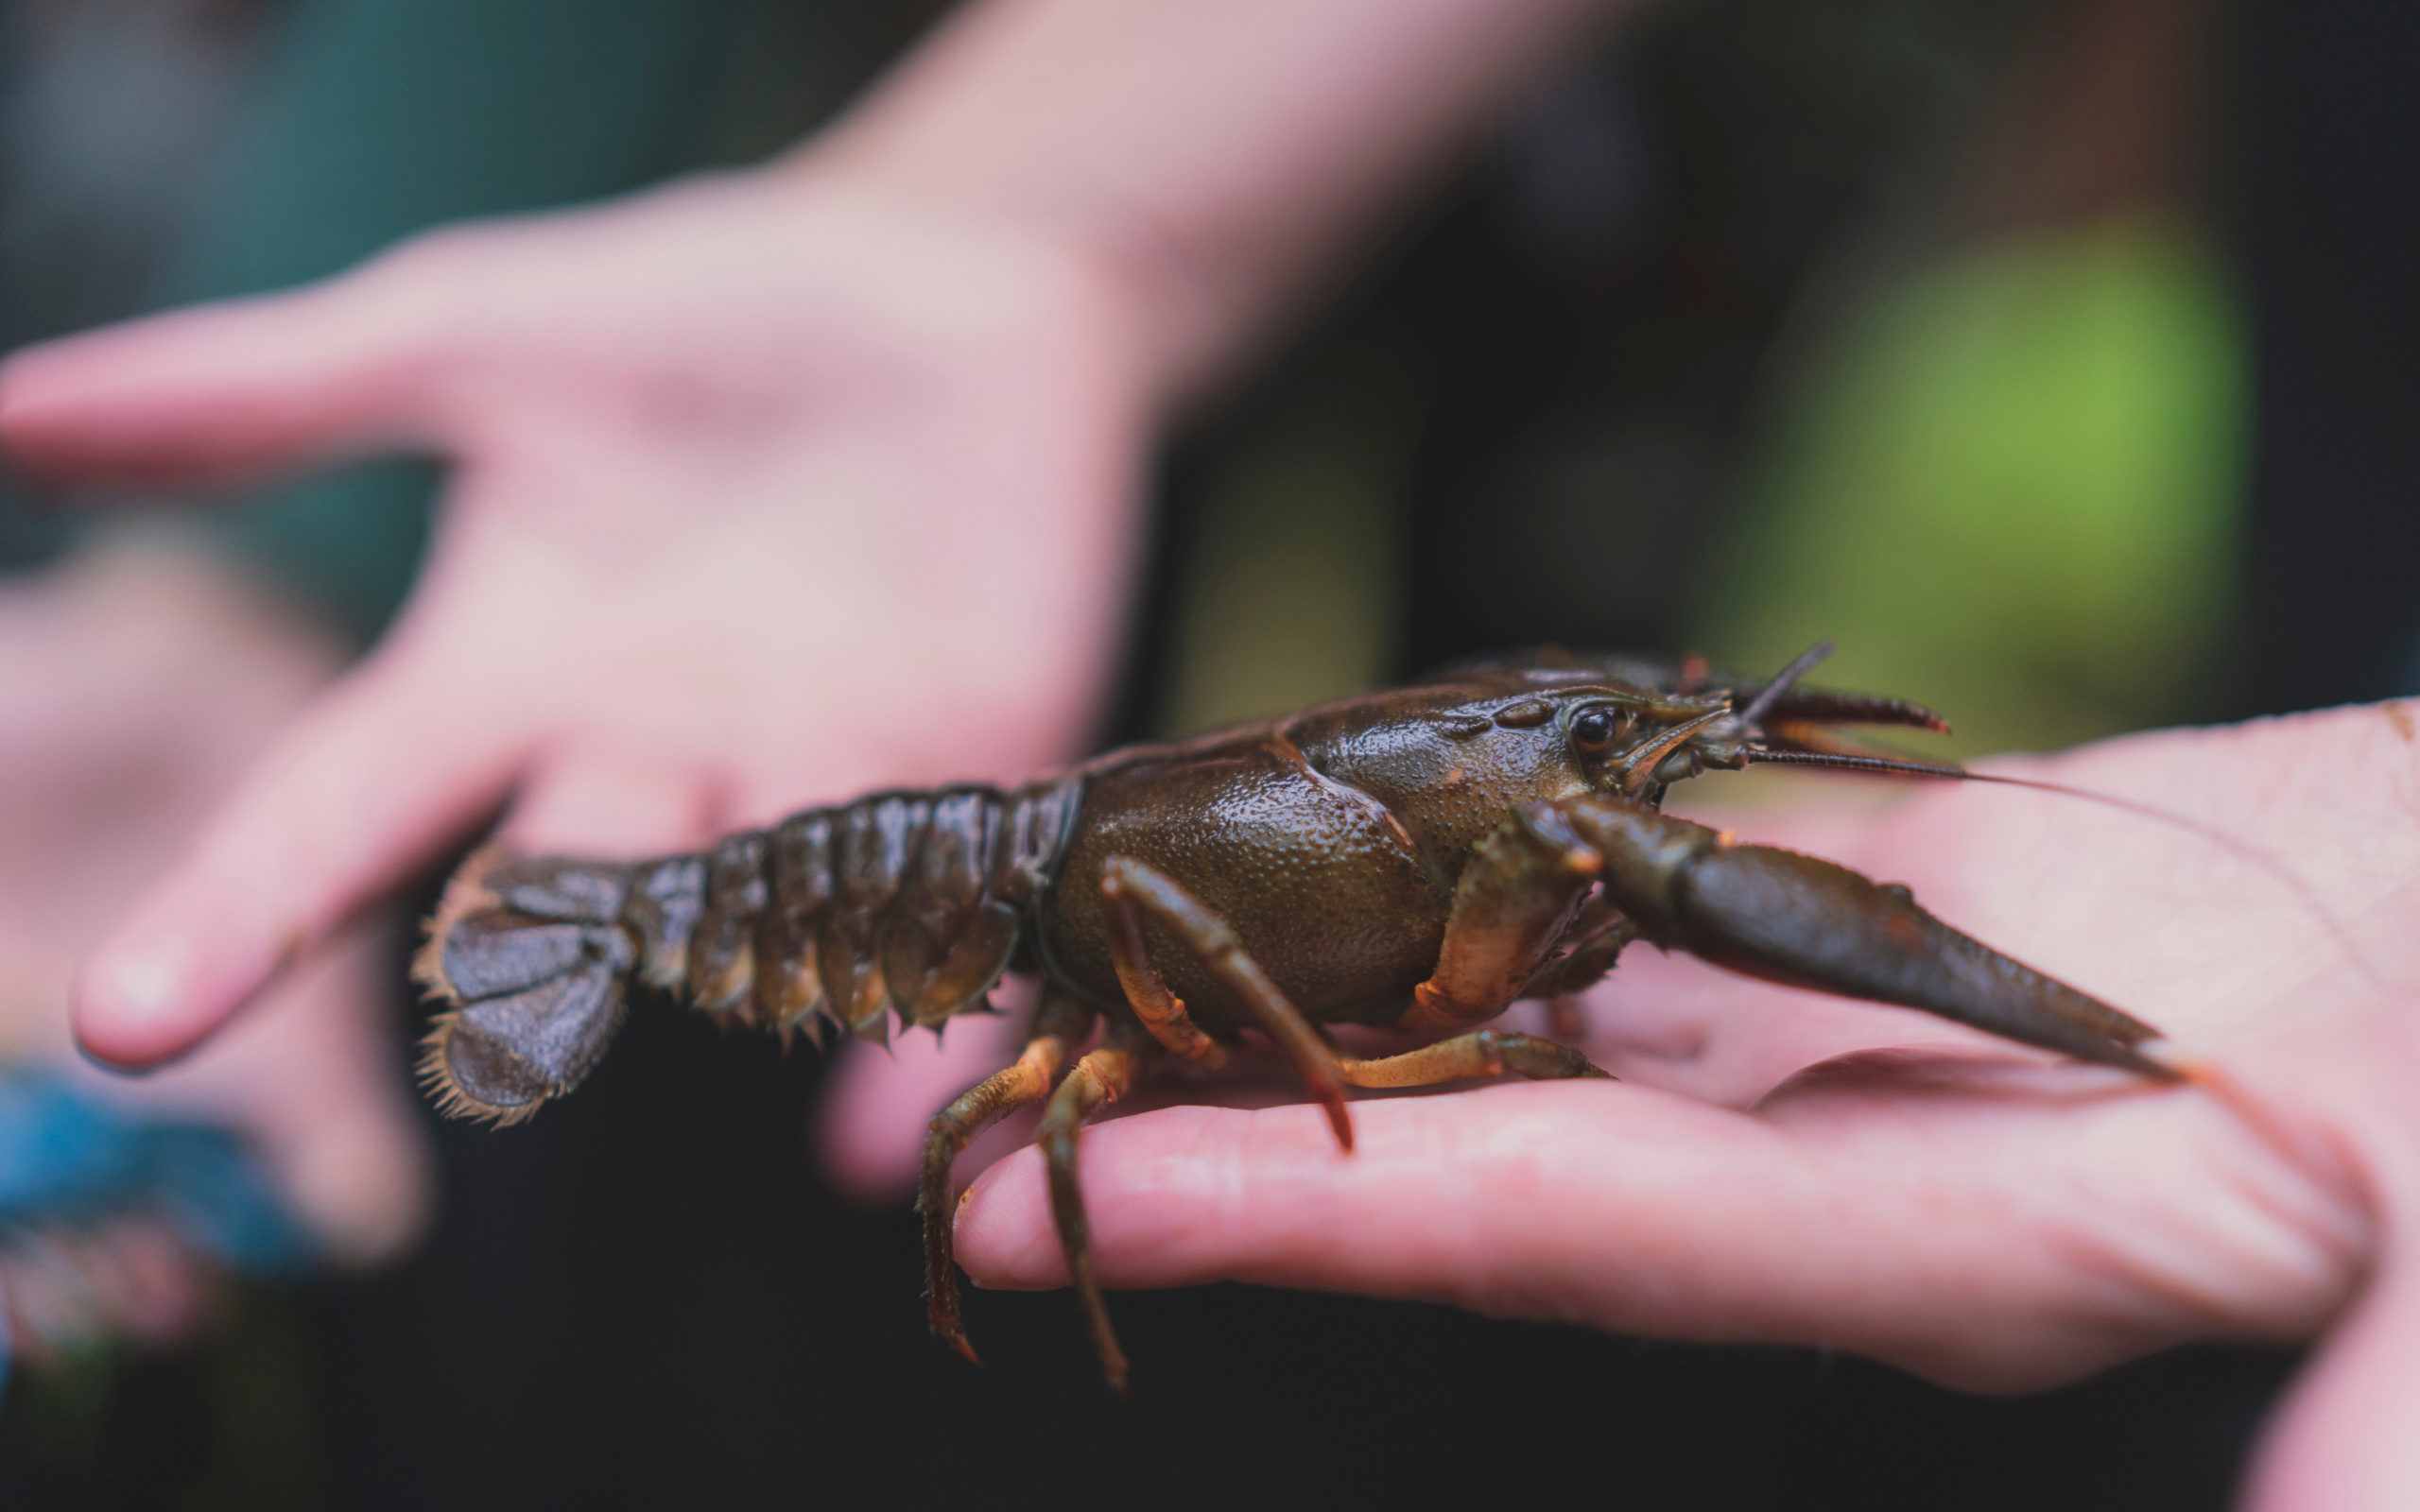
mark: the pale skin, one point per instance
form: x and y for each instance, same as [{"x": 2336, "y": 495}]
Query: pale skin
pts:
[
  {"x": 135, "y": 685},
  {"x": 779, "y": 487}
]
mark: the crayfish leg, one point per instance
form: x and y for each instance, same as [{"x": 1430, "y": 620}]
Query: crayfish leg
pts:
[
  {"x": 1106, "y": 1075},
  {"x": 1481, "y": 1053},
  {"x": 1136, "y": 889},
  {"x": 1518, "y": 897},
  {"x": 1601, "y": 935},
  {"x": 1059, "y": 1027},
  {"x": 1147, "y": 992}
]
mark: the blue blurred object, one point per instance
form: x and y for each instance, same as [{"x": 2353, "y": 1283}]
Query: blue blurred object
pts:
[{"x": 67, "y": 1160}]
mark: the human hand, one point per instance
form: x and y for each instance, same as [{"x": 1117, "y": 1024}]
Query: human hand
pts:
[
  {"x": 769, "y": 488},
  {"x": 135, "y": 682},
  {"x": 1786, "y": 1167}
]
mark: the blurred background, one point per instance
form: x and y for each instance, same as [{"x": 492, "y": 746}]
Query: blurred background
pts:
[{"x": 2056, "y": 357}]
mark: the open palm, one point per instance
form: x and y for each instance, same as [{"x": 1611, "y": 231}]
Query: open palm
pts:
[
  {"x": 1781, "y": 1167},
  {"x": 768, "y": 491}
]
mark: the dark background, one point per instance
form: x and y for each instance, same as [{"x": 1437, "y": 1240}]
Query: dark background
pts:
[{"x": 651, "y": 1297}]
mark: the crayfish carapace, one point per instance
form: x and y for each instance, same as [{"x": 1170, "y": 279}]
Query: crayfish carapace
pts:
[{"x": 1414, "y": 860}]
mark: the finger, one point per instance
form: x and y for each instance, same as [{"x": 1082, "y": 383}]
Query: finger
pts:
[
  {"x": 374, "y": 781},
  {"x": 613, "y": 803},
  {"x": 1979, "y": 1239},
  {"x": 227, "y": 390},
  {"x": 2344, "y": 1439}
]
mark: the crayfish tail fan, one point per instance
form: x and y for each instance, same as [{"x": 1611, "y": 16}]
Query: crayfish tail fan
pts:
[{"x": 533, "y": 960}]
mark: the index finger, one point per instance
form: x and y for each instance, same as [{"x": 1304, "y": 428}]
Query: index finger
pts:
[
  {"x": 224, "y": 392},
  {"x": 376, "y": 781},
  {"x": 1988, "y": 1242}
]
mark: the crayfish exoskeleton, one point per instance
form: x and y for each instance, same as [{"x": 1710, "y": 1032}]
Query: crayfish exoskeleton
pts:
[{"x": 1415, "y": 860}]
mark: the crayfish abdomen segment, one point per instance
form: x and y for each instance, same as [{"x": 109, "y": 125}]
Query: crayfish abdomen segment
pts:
[{"x": 834, "y": 919}]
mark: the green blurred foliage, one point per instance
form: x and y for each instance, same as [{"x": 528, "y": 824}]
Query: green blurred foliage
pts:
[{"x": 2011, "y": 488}]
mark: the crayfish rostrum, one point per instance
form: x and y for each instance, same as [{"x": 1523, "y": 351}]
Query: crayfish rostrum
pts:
[{"x": 1414, "y": 860}]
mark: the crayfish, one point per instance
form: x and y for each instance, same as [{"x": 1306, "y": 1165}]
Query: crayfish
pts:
[{"x": 1415, "y": 860}]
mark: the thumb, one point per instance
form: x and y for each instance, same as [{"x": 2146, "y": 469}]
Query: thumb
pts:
[
  {"x": 2344, "y": 1439},
  {"x": 225, "y": 391}
]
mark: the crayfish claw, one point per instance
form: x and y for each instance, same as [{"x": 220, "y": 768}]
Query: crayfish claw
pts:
[{"x": 1806, "y": 922}]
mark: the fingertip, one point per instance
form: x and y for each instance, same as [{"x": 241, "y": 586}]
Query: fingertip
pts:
[
  {"x": 97, "y": 409},
  {"x": 37, "y": 401},
  {"x": 337, "y": 812},
  {"x": 207, "y": 395},
  {"x": 189, "y": 957},
  {"x": 150, "y": 994}
]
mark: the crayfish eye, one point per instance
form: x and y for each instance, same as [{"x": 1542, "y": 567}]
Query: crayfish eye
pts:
[{"x": 1593, "y": 729}]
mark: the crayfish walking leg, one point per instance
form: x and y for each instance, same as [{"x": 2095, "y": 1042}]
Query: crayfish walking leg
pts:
[
  {"x": 1524, "y": 889},
  {"x": 1481, "y": 1053},
  {"x": 1059, "y": 1027},
  {"x": 1104, "y": 1075},
  {"x": 1133, "y": 888}
]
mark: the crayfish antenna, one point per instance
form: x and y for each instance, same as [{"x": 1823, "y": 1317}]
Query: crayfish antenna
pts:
[
  {"x": 1885, "y": 765},
  {"x": 2251, "y": 855},
  {"x": 1806, "y": 661}
]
